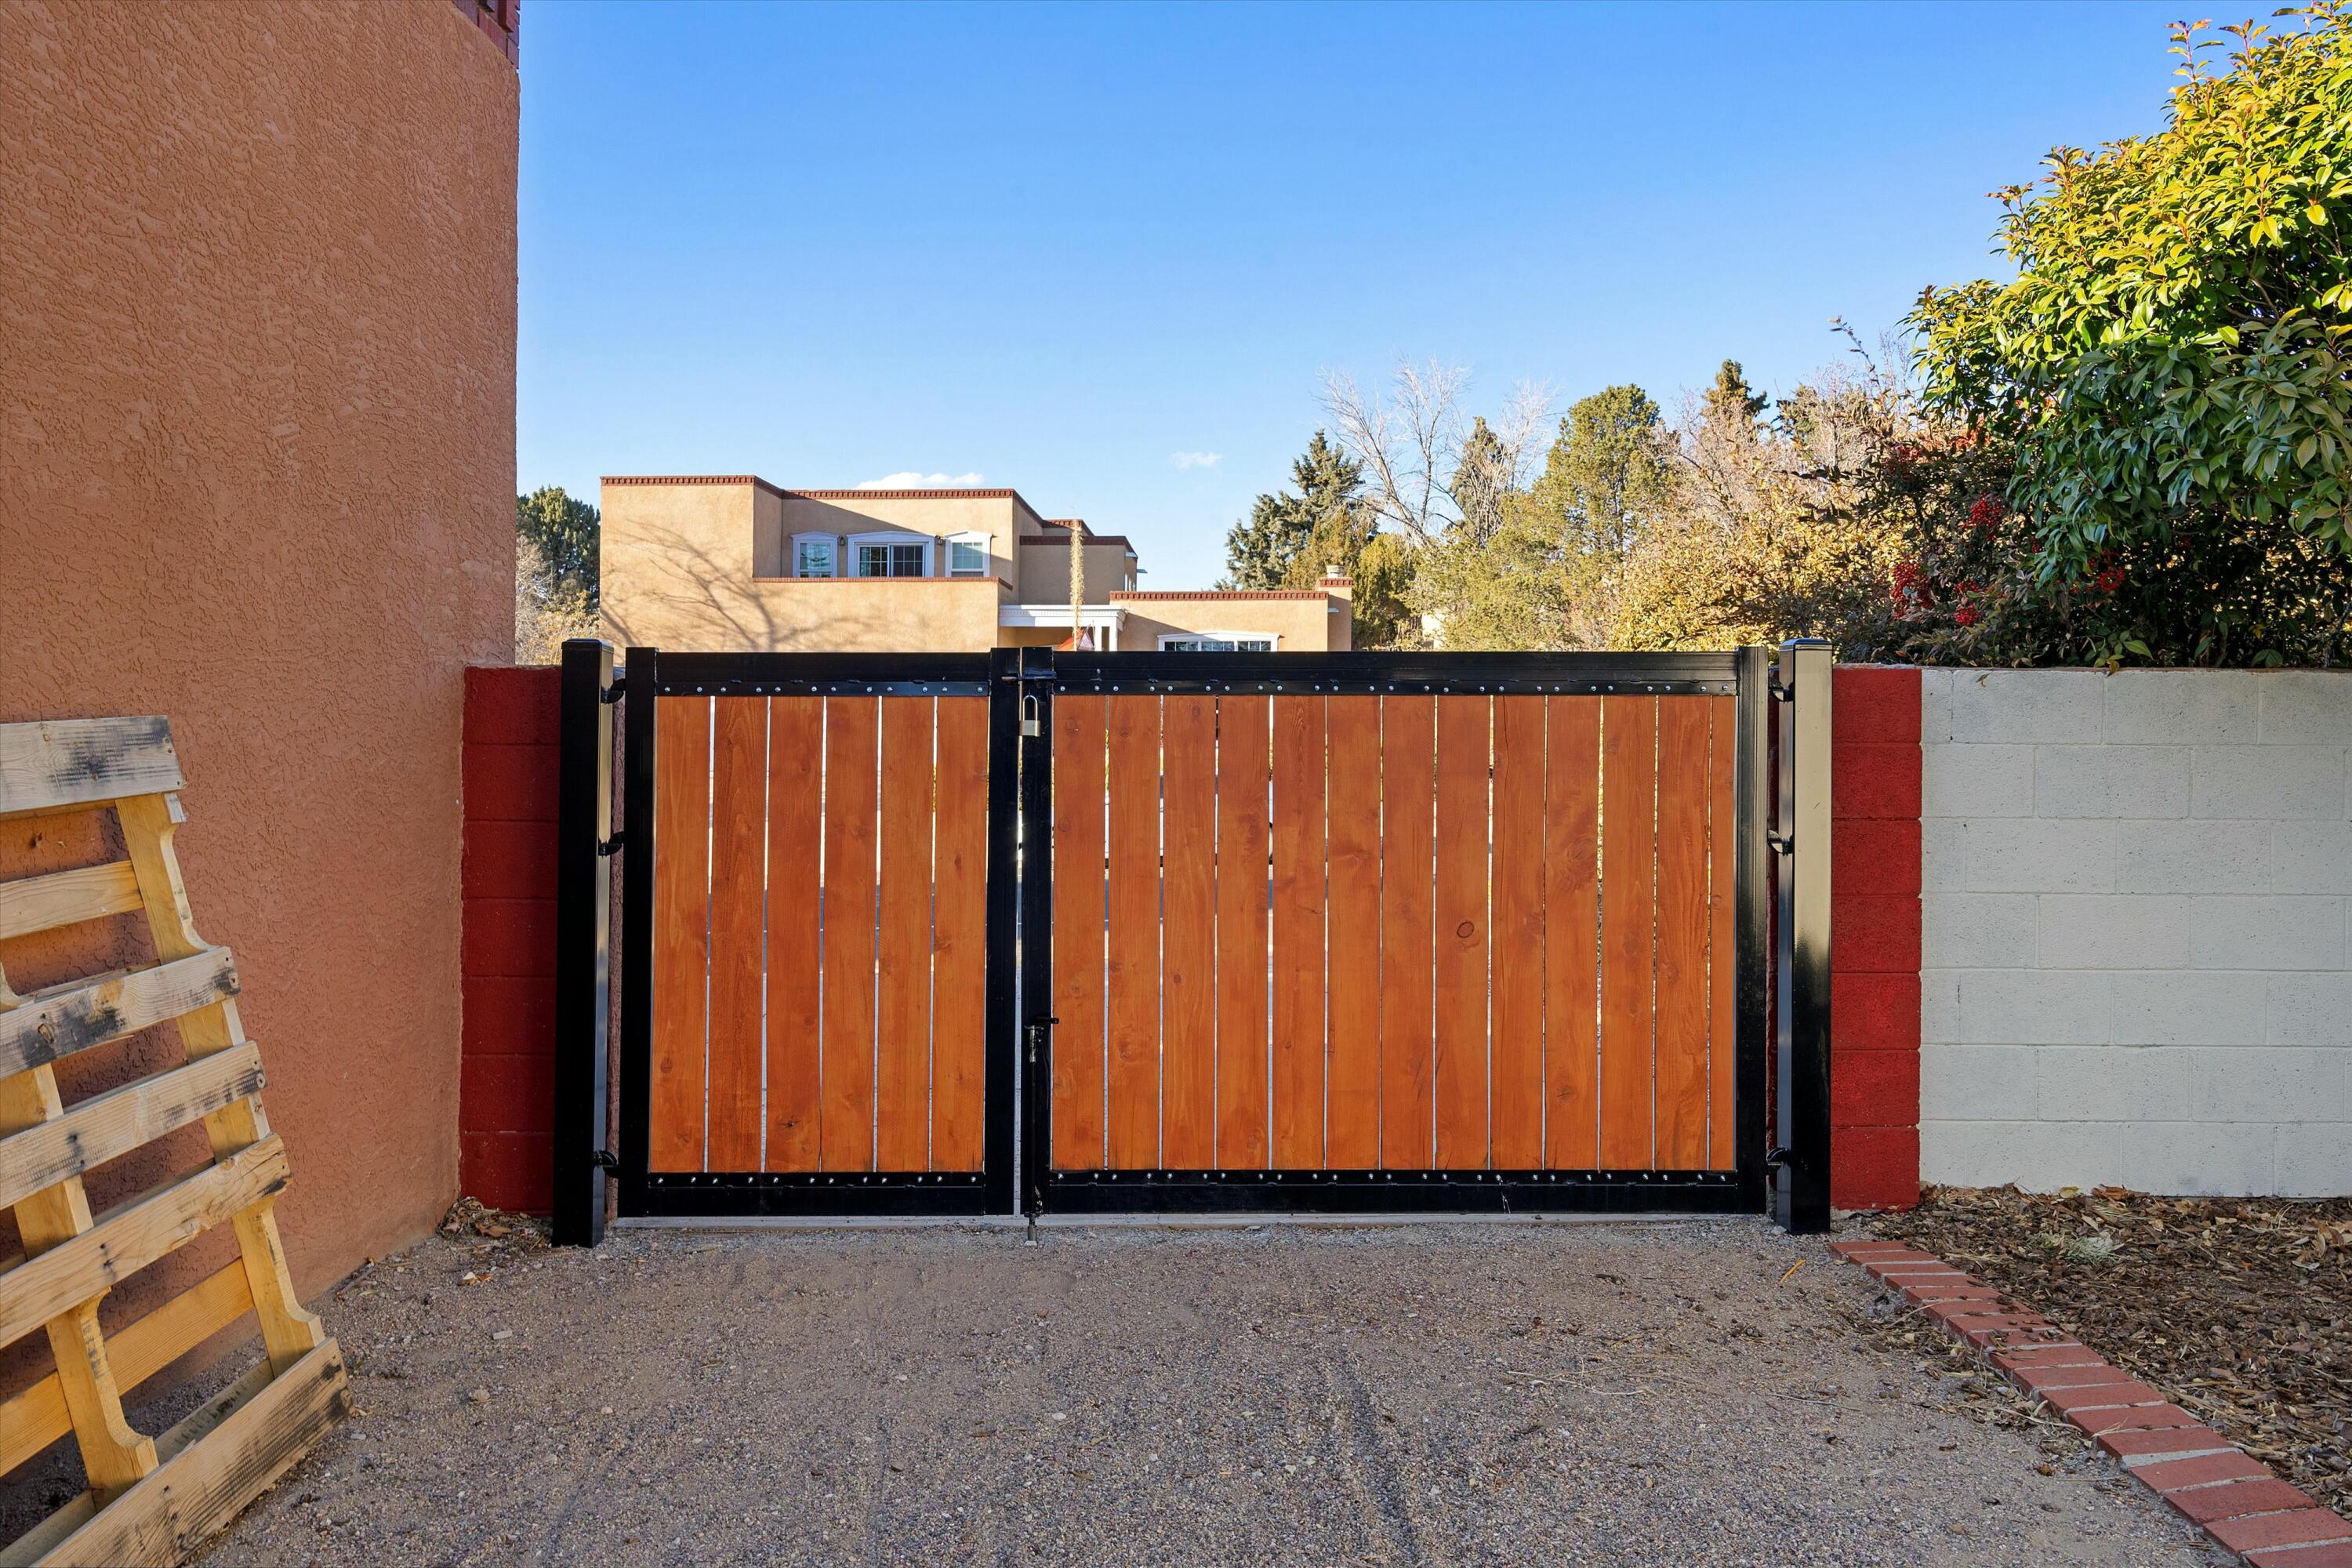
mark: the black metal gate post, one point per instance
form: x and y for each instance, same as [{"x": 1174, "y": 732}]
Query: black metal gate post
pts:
[
  {"x": 1035, "y": 674},
  {"x": 1800, "y": 1189},
  {"x": 584, "y": 906},
  {"x": 1751, "y": 984}
]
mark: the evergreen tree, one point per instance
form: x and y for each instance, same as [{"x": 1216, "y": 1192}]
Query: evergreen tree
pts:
[
  {"x": 564, "y": 531},
  {"x": 1482, "y": 478},
  {"x": 1731, "y": 404},
  {"x": 1261, "y": 553}
]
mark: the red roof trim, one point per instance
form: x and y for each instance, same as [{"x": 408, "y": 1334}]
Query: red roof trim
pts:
[
  {"x": 1238, "y": 594},
  {"x": 754, "y": 480}
]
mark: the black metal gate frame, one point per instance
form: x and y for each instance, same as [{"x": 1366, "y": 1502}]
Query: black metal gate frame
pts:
[
  {"x": 1742, "y": 675},
  {"x": 1020, "y": 684},
  {"x": 647, "y": 1193}
]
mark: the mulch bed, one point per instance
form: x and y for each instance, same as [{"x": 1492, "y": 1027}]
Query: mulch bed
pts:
[{"x": 2241, "y": 1309}]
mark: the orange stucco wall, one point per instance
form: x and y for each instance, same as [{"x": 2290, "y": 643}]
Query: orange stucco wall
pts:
[{"x": 257, "y": 473}]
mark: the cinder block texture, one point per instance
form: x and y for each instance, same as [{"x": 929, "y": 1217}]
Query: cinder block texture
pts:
[{"x": 2137, "y": 930}]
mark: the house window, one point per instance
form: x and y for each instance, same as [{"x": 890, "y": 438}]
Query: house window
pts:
[
  {"x": 890, "y": 558},
  {"x": 1215, "y": 642},
  {"x": 812, "y": 555},
  {"x": 967, "y": 556}
]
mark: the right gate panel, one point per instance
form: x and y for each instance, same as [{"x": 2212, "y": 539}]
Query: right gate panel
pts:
[{"x": 1397, "y": 933}]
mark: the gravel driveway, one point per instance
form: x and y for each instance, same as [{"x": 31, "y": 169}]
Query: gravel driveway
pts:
[{"x": 1622, "y": 1393}]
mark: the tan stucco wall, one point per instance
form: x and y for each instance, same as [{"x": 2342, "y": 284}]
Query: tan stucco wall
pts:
[
  {"x": 257, "y": 474},
  {"x": 1046, "y": 572},
  {"x": 1303, "y": 625},
  {"x": 937, "y": 518}
]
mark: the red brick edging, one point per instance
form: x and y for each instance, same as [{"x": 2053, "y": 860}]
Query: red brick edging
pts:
[{"x": 2196, "y": 1469}]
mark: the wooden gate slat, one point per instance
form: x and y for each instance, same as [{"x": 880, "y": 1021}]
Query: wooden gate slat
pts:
[
  {"x": 1408, "y": 839},
  {"x": 960, "y": 938},
  {"x": 739, "y": 830},
  {"x": 1680, "y": 959},
  {"x": 1077, "y": 1085},
  {"x": 1242, "y": 768},
  {"x": 1353, "y": 816},
  {"x": 795, "y": 835},
  {"x": 1298, "y": 850},
  {"x": 1463, "y": 760},
  {"x": 845, "y": 1124},
  {"x": 1131, "y": 969},
  {"x": 1721, "y": 940},
  {"x": 1572, "y": 932},
  {"x": 1629, "y": 735},
  {"x": 681, "y": 932},
  {"x": 1516, "y": 1095},
  {"x": 902, "y": 948},
  {"x": 1188, "y": 1023}
]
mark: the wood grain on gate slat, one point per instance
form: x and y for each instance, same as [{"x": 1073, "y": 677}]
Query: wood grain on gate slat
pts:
[
  {"x": 1459, "y": 1078},
  {"x": 960, "y": 938},
  {"x": 1296, "y": 1085},
  {"x": 1188, "y": 1021},
  {"x": 795, "y": 835},
  {"x": 1721, "y": 938},
  {"x": 681, "y": 931},
  {"x": 1517, "y": 989},
  {"x": 1572, "y": 932},
  {"x": 846, "y": 1097},
  {"x": 1629, "y": 777},
  {"x": 1408, "y": 818},
  {"x": 1242, "y": 760},
  {"x": 1131, "y": 970},
  {"x": 902, "y": 946},
  {"x": 739, "y": 830},
  {"x": 1353, "y": 814},
  {"x": 1077, "y": 1085},
  {"x": 1680, "y": 1055}
]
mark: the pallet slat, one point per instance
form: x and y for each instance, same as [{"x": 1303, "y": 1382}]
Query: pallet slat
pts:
[
  {"x": 1722, "y": 1016},
  {"x": 1408, "y": 841},
  {"x": 1680, "y": 959},
  {"x": 1573, "y": 930},
  {"x": 130, "y": 1239},
  {"x": 67, "y": 897},
  {"x": 106, "y": 1125},
  {"x": 221, "y": 1457},
  {"x": 1629, "y": 835},
  {"x": 1131, "y": 966},
  {"x": 1459, "y": 1075},
  {"x": 60, "y": 763},
  {"x": 739, "y": 787},
  {"x": 1352, "y": 725},
  {"x": 32, "y": 1420},
  {"x": 682, "y": 931},
  {"x": 846, "y": 1082},
  {"x": 59, "y": 1023},
  {"x": 903, "y": 941},
  {"x": 1515, "y": 988}
]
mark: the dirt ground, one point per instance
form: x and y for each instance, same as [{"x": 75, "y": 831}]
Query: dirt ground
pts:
[
  {"x": 1700, "y": 1391},
  {"x": 2240, "y": 1309}
]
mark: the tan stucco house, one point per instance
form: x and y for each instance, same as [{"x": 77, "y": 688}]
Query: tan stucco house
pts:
[{"x": 730, "y": 563}]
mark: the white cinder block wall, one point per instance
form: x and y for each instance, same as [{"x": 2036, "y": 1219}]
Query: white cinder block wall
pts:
[{"x": 2134, "y": 954}]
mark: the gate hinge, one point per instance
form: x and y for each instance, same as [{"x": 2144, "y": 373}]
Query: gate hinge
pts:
[
  {"x": 1777, "y": 1155},
  {"x": 612, "y": 693},
  {"x": 608, "y": 845},
  {"x": 1781, "y": 843},
  {"x": 604, "y": 1160}
]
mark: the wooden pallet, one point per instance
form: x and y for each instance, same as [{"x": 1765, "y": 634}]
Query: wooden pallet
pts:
[{"x": 150, "y": 1499}]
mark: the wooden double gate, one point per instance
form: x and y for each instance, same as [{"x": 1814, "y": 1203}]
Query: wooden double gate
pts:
[{"x": 1027, "y": 931}]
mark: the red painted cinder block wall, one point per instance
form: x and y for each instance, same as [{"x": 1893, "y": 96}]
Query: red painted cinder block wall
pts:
[
  {"x": 506, "y": 1087},
  {"x": 1875, "y": 938}
]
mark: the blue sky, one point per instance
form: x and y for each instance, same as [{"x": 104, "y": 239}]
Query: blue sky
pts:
[{"x": 1063, "y": 248}]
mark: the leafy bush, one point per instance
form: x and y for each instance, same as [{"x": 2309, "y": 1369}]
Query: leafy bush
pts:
[{"x": 2169, "y": 370}]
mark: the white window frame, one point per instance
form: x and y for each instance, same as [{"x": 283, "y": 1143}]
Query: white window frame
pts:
[
  {"x": 896, "y": 537},
  {"x": 832, "y": 542},
  {"x": 947, "y": 554},
  {"x": 1271, "y": 641}
]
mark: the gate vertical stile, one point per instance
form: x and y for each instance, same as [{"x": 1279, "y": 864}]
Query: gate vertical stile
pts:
[
  {"x": 999, "y": 1071},
  {"x": 1752, "y": 930},
  {"x": 641, "y": 683},
  {"x": 1035, "y": 684}
]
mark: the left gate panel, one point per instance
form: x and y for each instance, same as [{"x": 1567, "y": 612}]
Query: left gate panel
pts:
[{"x": 819, "y": 961}]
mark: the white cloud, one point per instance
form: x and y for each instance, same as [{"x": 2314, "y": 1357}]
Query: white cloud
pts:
[
  {"x": 911, "y": 481},
  {"x": 1196, "y": 460}
]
